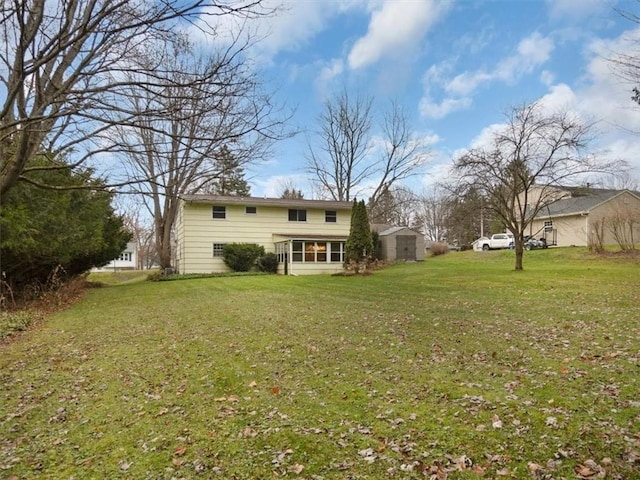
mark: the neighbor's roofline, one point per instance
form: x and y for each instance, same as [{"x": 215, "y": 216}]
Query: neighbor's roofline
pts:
[
  {"x": 583, "y": 212},
  {"x": 267, "y": 202}
]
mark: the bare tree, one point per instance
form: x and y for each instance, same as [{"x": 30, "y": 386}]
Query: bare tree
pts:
[
  {"x": 345, "y": 164},
  {"x": 289, "y": 190},
  {"x": 433, "y": 209},
  {"x": 396, "y": 207},
  {"x": 63, "y": 66},
  {"x": 518, "y": 174},
  {"x": 402, "y": 155},
  {"x": 142, "y": 232},
  {"x": 627, "y": 65},
  {"x": 339, "y": 164},
  {"x": 200, "y": 112},
  {"x": 623, "y": 224}
]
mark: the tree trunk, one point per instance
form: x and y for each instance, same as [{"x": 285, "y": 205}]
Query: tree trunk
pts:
[{"x": 519, "y": 246}]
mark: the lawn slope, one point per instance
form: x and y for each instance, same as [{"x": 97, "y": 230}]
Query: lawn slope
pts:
[{"x": 456, "y": 367}]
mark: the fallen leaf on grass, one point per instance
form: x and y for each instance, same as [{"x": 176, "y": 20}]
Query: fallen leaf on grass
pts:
[
  {"x": 180, "y": 450},
  {"x": 590, "y": 470},
  {"x": 496, "y": 422},
  {"x": 275, "y": 390}
]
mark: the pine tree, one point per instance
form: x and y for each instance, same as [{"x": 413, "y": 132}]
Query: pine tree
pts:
[
  {"x": 230, "y": 180},
  {"x": 360, "y": 242}
]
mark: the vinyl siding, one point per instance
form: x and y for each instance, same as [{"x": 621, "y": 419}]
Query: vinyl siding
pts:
[
  {"x": 197, "y": 231},
  {"x": 574, "y": 230}
]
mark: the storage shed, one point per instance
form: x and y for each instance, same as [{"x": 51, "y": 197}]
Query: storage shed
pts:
[{"x": 399, "y": 243}]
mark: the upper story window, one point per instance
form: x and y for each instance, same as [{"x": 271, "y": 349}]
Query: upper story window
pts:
[
  {"x": 330, "y": 216},
  {"x": 219, "y": 212},
  {"x": 297, "y": 215},
  {"x": 251, "y": 210}
]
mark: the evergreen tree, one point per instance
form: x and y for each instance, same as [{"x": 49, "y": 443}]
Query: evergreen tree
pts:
[
  {"x": 68, "y": 231},
  {"x": 360, "y": 242},
  {"x": 230, "y": 180}
]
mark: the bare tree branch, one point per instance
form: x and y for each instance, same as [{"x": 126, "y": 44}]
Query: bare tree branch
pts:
[
  {"x": 201, "y": 112},
  {"x": 64, "y": 66}
]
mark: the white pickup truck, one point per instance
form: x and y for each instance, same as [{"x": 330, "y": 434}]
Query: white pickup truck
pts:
[{"x": 497, "y": 241}]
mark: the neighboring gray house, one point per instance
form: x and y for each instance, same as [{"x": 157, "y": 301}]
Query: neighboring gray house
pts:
[{"x": 399, "y": 243}]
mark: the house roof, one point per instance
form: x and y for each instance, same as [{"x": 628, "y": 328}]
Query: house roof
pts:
[
  {"x": 267, "y": 202},
  {"x": 582, "y": 201}
]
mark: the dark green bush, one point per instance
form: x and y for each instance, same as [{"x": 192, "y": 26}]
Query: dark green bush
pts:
[
  {"x": 241, "y": 257},
  {"x": 268, "y": 263}
]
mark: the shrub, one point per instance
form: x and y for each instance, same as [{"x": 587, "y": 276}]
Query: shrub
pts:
[
  {"x": 438, "y": 249},
  {"x": 12, "y": 322},
  {"x": 241, "y": 257},
  {"x": 268, "y": 263}
]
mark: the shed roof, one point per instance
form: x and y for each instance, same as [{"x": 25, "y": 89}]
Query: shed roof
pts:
[
  {"x": 384, "y": 230},
  {"x": 267, "y": 202}
]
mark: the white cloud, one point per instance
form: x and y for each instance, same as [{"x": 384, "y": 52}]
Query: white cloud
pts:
[
  {"x": 547, "y": 78},
  {"x": 397, "y": 25},
  {"x": 430, "y": 109},
  {"x": 575, "y": 10},
  {"x": 601, "y": 97},
  {"x": 560, "y": 98},
  {"x": 467, "y": 82},
  {"x": 328, "y": 74},
  {"x": 291, "y": 26},
  {"x": 531, "y": 52}
]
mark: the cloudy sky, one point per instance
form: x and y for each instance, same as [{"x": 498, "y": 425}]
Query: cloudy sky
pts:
[{"x": 456, "y": 66}]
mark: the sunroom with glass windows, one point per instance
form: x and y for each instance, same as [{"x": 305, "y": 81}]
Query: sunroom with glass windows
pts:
[{"x": 318, "y": 253}]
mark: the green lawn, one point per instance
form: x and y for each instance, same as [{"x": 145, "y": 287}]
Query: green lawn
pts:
[{"x": 456, "y": 367}]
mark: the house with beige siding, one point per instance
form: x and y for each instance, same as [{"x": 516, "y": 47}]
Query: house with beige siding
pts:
[
  {"x": 308, "y": 236},
  {"x": 580, "y": 214}
]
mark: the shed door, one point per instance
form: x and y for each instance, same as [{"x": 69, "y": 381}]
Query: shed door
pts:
[{"x": 406, "y": 247}]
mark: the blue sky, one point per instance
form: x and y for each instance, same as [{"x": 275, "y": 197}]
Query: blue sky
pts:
[{"x": 456, "y": 66}]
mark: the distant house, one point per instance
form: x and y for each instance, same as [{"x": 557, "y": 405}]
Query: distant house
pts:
[
  {"x": 128, "y": 260},
  {"x": 580, "y": 213},
  {"x": 399, "y": 243},
  {"x": 308, "y": 236}
]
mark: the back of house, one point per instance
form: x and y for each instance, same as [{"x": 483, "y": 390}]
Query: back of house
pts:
[{"x": 307, "y": 235}]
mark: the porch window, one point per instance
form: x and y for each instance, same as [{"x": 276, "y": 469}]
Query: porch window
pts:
[
  {"x": 296, "y": 253},
  {"x": 317, "y": 252},
  {"x": 281, "y": 251},
  {"x": 337, "y": 252}
]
